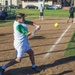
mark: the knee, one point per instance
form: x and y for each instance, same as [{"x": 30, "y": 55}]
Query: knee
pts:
[
  {"x": 30, "y": 52},
  {"x": 18, "y": 60}
]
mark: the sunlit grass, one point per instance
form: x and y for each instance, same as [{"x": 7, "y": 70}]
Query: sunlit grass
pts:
[{"x": 34, "y": 14}]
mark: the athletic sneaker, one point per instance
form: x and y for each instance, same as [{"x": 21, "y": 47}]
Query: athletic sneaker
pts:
[
  {"x": 1, "y": 71},
  {"x": 36, "y": 69}
]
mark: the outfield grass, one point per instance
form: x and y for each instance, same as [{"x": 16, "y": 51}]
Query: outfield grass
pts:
[
  {"x": 70, "y": 50},
  {"x": 48, "y": 13},
  {"x": 6, "y": 23},
  {"x": 34, "y": 13}
]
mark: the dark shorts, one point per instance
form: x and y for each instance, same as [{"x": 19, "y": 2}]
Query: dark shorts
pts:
[
  {"x": 41, "y": 13},
  {"x": 71, "y": 16}
]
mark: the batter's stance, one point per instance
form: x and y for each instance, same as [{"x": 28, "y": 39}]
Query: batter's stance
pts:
[{"x": 21, "y": 44}]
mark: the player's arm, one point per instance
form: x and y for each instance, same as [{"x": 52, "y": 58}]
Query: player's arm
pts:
[
  {"x": 32, "y": 23},
  {"x": 22, "y": 30},
  {"x": 37, "y": 27}
]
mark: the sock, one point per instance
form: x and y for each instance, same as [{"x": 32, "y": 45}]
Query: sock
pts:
[
  {"x": 42, "y": 17},
  {"x": 34, "y": 65},
  {"x": 4, "y": 67}
]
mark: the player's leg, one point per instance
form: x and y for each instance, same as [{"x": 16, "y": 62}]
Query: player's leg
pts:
[
  {"x": 39, "y": 15},
  {"x": 19, "y": 55},
  {"x": 69, "y": 18},
  {"x": 42, "y": 15},
  {"x": 31, "y": 55},
  {"x": 72, "y": 17},
  {"x": 12, "y": 62}
]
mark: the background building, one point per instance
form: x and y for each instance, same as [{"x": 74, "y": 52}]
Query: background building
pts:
[
  {"x": 34, "y": 2},
  {"x": 10, "y": 2},
  {"x": 63, "y": 3},
  {"x": 23, "y": 3}
]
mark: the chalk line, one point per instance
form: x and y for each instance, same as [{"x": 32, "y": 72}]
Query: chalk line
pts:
[{"x": 52, "y": 48}]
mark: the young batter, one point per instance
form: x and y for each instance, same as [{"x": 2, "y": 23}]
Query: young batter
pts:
[{"x": 21, "y": 44}]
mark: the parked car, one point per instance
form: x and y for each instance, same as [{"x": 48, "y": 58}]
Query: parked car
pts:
[
  {"x": 59, "y": 6},
  {"x": 53, "y": 7},
  {"x": 31, "y": 7},
  {"x": 14, "y": 7}
]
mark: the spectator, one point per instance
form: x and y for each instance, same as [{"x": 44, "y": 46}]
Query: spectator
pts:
[
  {"x": 4, "y": 14},
  {"x": 0, "y": 12}
]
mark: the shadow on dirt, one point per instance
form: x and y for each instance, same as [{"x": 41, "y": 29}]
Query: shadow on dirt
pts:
[
  {"x": 65, "y": 72},
  {"x": 48, "y": 44},
  {"x": 21, "y": 71},
  {"x": 4, "y": 34},
  {"x": 27, "y": 55},
  {"x": 28, "y": 70},
  {"x": 37, "y": 37},
  {"x": 60, "y": 62}
]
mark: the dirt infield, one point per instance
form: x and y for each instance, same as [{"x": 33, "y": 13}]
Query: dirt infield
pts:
[{"x": 54, "y": 64}]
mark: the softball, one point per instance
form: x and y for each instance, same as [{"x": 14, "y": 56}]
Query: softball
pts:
[{"x": 56, "y": 25}]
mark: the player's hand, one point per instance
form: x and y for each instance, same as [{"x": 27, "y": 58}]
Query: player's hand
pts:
[
  {"x": 29, "y": 33},
  {"x": 38, "y": 27}
]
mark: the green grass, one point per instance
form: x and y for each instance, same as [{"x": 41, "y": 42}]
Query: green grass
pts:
[
  {"x": 6, "y": 23},
  {"x": 34, "y": 13},
  {"x": 48, "y": 13},
  {"x": 70, "y": 50}
]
